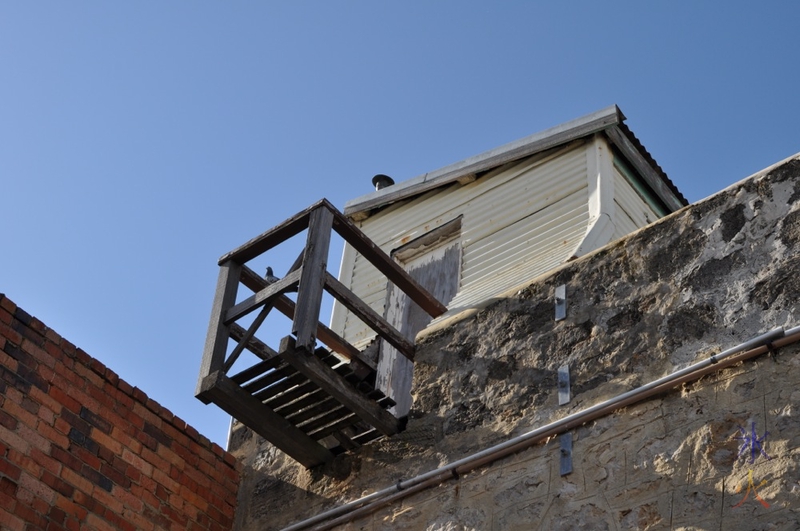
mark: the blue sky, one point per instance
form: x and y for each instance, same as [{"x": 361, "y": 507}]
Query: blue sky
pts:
[{"x": 139, "y": 141}]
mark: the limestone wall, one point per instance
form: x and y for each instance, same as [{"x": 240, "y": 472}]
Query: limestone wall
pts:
[{"x": 706, "y": 278}]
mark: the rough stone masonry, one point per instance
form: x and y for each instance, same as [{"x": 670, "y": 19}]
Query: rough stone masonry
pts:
[{"x": 720, "y": 453}]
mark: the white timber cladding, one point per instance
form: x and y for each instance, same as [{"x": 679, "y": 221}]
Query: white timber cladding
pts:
[
  {"x": 633, "y": 211},
  {"x": 602, "y": 211},
  {"x": 519, "y": 221}
]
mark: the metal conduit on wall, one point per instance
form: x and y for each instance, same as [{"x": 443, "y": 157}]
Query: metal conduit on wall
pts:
[{"x": 758, "y": 345}]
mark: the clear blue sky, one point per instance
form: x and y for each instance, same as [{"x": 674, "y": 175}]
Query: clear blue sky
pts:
[{"x": 139, "y": 141}]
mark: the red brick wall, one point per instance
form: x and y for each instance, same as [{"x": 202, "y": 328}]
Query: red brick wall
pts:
[{"x": 80, "y": 449}]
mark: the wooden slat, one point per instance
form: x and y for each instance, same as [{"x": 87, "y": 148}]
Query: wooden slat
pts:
[
  {"x": 289, "y": 394},
  {"x": 367, "y": 436},
  {"x": 331, "y": 339},
  {"x": 375, "y": 255},
  {"x": 269, "y": 379},
  {"x": 254, "y": 345},
  {"x": 308, "y": 408},
  {"x": 262, "y": 420},
  {"x": 217, "y": 336},
  {"x": 333, "y": 428},
  {"x": 268, "y": 393},
  {"x": 297, "y": 263},
  {"x": 330, "y": 417},
  {"x": 312, "y": 282},
  {"x": 345, "y": 442},
  {"x": 333, "y": 384},
  {"x": 246, "y": 337},
  {"x": 370, "y": 317},
  {"x": 264, "y": 296},
  {"x": 269, "y": 239},
  {"x": 252, "y": 372},
  {"x": 284, "y": 403}
]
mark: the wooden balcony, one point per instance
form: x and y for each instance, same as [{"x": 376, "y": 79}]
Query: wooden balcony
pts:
[{"x": 311, "y": 401}]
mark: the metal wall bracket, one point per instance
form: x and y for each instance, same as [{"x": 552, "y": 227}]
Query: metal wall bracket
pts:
[
  {"x": 566, "y": 453},
  {"x": 564, "y": 395},
  {"x": 561, "y": 302},
  {"x": 565, "y": 439}
]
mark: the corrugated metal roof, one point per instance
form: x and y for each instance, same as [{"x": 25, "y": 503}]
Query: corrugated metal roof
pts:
[
  {"x": 610, "y": 118},
  {"x": 646, "y": 154}
]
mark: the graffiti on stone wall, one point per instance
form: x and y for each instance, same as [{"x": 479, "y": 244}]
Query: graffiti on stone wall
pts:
[
  {"x": 751, "y": 486},
  {"x": 754, "y": 445}
]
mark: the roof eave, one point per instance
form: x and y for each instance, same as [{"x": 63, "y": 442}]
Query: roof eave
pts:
[
  {"x": 649, "y": 170},
  {"x": 530, "y": 145}
]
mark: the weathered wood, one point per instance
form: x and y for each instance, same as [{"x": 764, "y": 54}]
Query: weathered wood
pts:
[
  {"x": 285, "y": 399},
  {"x": 297, "y": 263},
  {"x": 386, "y": 402},
  {"x": 367, "y": 436},
  {"x": 328, "y": 418},
  {"x": 285, "y": 391},
  {"x": 393, "y": 272},
  {"x": 370, "y": 317},
  {"x": 269, "y": 239},
  {"x": 264, "y": 296},
  {"x": 246, "y": 337},
  {"x": 436, "y": 270},
  {"x": 217, "y": 336},
  {"x": 254, "y": 345},
  {"x": 330, "y": 382},
  {"x": 333, "y": 428},
  {"x": 466, "y": 179},
  {"x": 331, "y": 339},
  {"x": 344, "y": 441},
  {"x": 648, "y": 173},
  {"x": 253, "y": 372},
  {"x": 263, "y": 420},
  {"x": 308, "y": 408},
  {"x": 281, "y": 373},
  {"x": 312, "y": 282}
]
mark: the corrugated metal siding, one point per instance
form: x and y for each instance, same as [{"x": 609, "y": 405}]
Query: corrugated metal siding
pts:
[
  {"x": 632, "y": 211},
  {"x": 519, "y": 221}
]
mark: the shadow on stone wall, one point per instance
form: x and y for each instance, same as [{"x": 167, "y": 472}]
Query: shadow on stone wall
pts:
[{"x": 706, "y": 278}]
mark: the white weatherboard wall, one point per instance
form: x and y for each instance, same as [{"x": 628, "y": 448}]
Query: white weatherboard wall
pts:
[
  {"x": 519, "y": 221},
  {"x": 632, "y": 211},
  {"x": 534, "y": 202}
]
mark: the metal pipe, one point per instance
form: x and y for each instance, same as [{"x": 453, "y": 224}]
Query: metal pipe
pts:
[{"x": 753, "y": 347}]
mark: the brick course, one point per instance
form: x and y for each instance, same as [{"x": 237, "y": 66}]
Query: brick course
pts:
[{"x": 81, "y": 449}]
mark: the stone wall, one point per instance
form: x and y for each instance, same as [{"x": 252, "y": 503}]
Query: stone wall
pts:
[
  {"x": 82, "y": 449},
  {"x": 706, "y": 278}
]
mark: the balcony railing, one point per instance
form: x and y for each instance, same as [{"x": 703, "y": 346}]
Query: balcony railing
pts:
[{"x": 309, "y": 401}]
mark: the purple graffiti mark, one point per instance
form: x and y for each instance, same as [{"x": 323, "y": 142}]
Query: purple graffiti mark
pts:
[
  {"x": 751, "y": 485},
  {"x": 752, "y": 442}
]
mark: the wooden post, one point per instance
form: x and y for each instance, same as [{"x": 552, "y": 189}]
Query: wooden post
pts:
[
  {"x": 312, "y": 281},
  {"x": 218, "y": 332}
]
